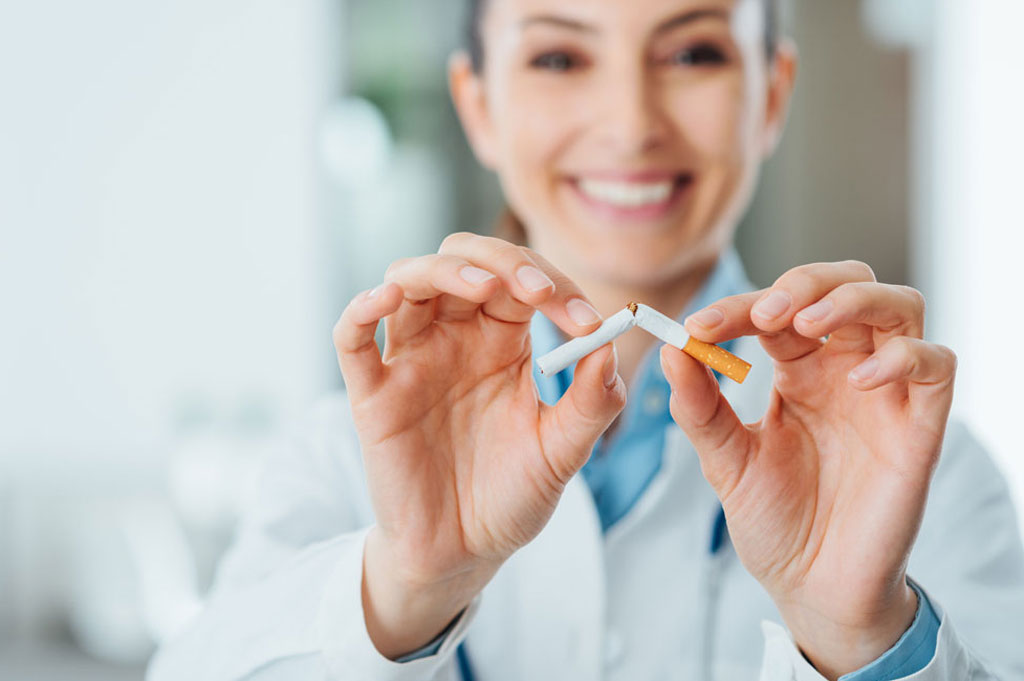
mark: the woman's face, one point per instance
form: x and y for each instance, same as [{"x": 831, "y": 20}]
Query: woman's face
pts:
[{"x": 627, "y": 135}]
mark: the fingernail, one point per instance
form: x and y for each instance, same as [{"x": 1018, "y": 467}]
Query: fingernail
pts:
[
  {"x": 374, "y": 291},
  {"x": 532, "y": 279},
  {"x": 611, "y": 368},
  {"x": 709, "y": 317},
  {"x": 816, "y": 312},
  {"x": 773, "y": 306},
  {"x": 475, "y": 275},
  {"x": 582, "y": 312},
  {"x": 865, "y": 370}
]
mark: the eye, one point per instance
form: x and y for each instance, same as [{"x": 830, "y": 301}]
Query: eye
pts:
[
  {"x": 699, "y": 55},
  {"x": 554, "y": 61}
]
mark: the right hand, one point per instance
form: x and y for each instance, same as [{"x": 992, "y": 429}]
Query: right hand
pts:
[{"x": 464, "y": 463}]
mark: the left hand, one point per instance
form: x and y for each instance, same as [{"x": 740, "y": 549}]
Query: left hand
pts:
[{"x": 824, "y": 495}]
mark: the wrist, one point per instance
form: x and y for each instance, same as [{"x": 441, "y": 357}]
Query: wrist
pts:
[
  {"x": 403, "y": 610},
  {"x": 841, "y": 645}
]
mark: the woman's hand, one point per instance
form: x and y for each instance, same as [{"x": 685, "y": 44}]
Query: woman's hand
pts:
[
  {"x": 464, "y": 463},
  {"x": 825, "y": 494}
]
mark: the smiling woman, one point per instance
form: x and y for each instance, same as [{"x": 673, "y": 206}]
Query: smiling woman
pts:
[{"x": 455, "y": 515}]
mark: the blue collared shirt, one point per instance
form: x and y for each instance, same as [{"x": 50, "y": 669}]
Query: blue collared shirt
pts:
[{"x": 622, "y": 466}]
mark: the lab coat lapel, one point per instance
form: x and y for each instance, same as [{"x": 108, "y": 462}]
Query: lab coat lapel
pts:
[{"x": 560, "y": 592}]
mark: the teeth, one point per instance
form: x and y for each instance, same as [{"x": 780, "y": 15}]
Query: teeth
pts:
[{"x": 627, "y": 194}]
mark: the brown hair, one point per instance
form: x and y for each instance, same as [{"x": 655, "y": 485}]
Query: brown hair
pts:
[{"x": 509, "y": 227}]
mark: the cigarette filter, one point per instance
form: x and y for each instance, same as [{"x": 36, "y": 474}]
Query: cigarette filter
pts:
[
  {"x": 719, "y": 359},
  {"x": 564, "y": 355},
  {"x": 673, "y": 333}
]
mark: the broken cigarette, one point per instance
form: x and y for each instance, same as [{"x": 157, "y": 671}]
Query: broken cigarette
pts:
[
  {"x": 664, "y": 328},
  {"x": 673, "y": 333},
  {"x": 578, "y": 348}
]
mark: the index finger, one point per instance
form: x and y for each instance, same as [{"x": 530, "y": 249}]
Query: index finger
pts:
[
  {"x": 725, "y": 319},
  {"x": 531, "y": 281},
  {"x": 729, "y": 318},
  {"x": 772, "y": 310}
]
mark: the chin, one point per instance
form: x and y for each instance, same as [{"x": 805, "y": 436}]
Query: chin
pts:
[
  {"x": 645, "y": 266},
  {"x": 632, "y": 254}
]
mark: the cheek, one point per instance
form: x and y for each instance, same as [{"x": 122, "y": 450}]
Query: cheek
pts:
[
  {"x": 714, "y": 119},
  {"x": 535, "y": 127},
  {"x": 530, "y": 138},
  {"x": 720, "y": 122}
]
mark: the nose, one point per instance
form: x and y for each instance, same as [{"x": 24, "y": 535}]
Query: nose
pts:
[{"x": 632, "y": 119}]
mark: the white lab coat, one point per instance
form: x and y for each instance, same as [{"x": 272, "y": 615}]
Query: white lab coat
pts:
[{"x": 644, "y": 602}]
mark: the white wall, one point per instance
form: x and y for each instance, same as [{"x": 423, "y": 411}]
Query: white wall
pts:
[
  {"x": 159, "y": 218},
  {"x": 970, "y": 226},
  {"x": 161, "y": 256}
]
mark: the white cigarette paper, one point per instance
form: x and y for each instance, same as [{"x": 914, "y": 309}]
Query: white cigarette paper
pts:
[
  {"x": 578, "y": 348},
  {"x": 665, "y": 329}
]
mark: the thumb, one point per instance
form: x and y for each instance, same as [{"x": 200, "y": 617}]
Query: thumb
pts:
[
  {"x": 698, "y": 406},
  {"x": 570, "y": 428}
]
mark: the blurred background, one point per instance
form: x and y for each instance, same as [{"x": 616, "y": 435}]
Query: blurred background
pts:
[{"x": 191, "y": 191}]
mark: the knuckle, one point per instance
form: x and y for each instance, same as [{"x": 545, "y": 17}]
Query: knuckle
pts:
[
  {"x": 564, "y": 286},
  {"x": 396, "y": 266},
  {"x": 854, "y": 294},
  {"x": 505, "y": 256},
  {"x": 740, "y": 304},
  {"x": 949, "y": 358},
  {"x": 617, "y": 397},
  {"x": 506, "y": 252},
  {"x": 809, "y": 277},
  {"x": 902, "y": 349},
  {"x": 534, "y": 258},
  {"x": 437, "y": 261},
  {"x": 861, "y": 269},
  {"x": 675, "y": 408},
  {"x": 543, "y": 263},
  {"x": 742, "y": 301},
  {"x": 917, "y": 300},
  {"x": 797, "y": 280},
  {"x": 455, "y": 241},
  {"x": 338, "y": 332}
]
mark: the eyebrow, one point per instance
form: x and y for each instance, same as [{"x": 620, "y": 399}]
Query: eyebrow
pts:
[
  {"x": 555, "y": 20},
  {"x": 684, "y": 18},
  {"x": 691, "y": 17}
]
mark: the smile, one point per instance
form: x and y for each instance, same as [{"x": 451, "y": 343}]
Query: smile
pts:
[{"x": 643, "y": 198}]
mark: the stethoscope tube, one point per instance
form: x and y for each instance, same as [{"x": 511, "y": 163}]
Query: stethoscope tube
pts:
[
  {"x": 465, "y": 668},
  {"x": 709, "y": 593},
  {"x": 719, "y": 535}
]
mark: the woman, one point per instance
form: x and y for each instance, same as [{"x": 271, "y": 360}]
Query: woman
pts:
[{"x": 627, "y": 138}]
